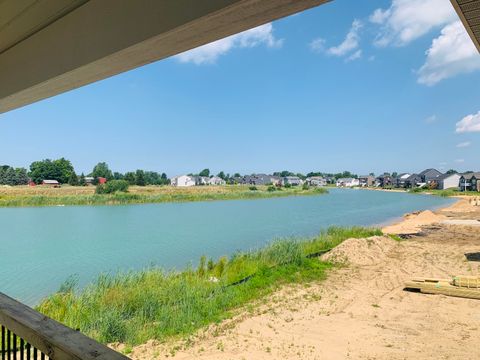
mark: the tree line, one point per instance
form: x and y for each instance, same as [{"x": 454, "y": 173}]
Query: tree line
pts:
[{"x": 63, "y": 171}]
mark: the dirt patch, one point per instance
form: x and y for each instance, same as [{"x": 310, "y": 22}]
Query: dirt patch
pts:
[
  {"x": 412, "y": 223},
  {"x": 368, "y": 251}
]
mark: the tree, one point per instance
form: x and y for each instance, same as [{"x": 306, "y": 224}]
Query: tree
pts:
[
  {"x": 221, "y": 175},
  {"x": 451, "y": 171},
  {"x": 22, "y": 176},
  {"x": 118, "y": 176},
  {"x": 64, "y": 169},
  {"x": 130, "y": 178},
  {"x": 205, "y": 172},
  {"x": 372, "y": 174},
  {"x": 73, "y": 180},
  {"x": 44, "y": 170},
  {"x": 102, "y": 170},
  {"x": 10, "y": 177},
  {"x": 164, "y": 179},
  {"x": 394, "y": 174},
  {"x": 81, "y": 180},
  {"x": 140, "y": 178}
]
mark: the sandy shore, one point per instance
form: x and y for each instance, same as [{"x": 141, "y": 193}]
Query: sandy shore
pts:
[{"x": 361, "y": 310}]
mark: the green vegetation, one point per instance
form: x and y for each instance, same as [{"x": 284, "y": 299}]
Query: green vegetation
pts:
[
  {"x": 154, "y": 304},
  {"x": 39, "y": 196},
  {"x": 444, "y": 193},
  {"x": 112, "y": 187}
]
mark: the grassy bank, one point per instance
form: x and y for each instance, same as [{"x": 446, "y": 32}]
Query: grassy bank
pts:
[
  {"x": 24, "y": 196},
  {"x": 155, "y": 304}
]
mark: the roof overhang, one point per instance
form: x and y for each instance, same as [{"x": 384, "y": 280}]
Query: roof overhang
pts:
[
  {"x": 469, "y": 13},
  {"x": 51, "y": 46}
]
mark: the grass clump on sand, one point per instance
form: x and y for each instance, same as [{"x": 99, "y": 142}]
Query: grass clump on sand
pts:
[{"x": 155, "y": 304}]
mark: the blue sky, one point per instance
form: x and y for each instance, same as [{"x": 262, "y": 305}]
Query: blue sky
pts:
[{"x": 358, "y": 85}]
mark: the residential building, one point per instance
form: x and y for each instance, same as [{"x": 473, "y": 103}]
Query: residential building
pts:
[
  {"x": 470, "y": 182},
  {"x": 399, "y": 181},
  {"x": 414, "y": 180},
  {"x": 429, "y": 175},
  {"x": 316, "y": 181},
  {"x": 183, "y": 181},
  {"x": 384, "y": 180},
  {"x": 347, "y": 182},
  {"x": 89, "y": 180},
  {"x": 215, "y": 180},
  {"x": 448, "y": 181},
  {"x": 292, "y": 181},
  {"x": 366, "y": 180}
]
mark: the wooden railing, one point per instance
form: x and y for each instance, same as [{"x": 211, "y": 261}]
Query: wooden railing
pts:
[{"x": 27, "y": 334}]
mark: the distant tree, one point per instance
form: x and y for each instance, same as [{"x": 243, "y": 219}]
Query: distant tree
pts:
[
  {"x": 102, "y": 170},
  {"x": 73, "y": 180},
  {"x": 81, "y": 180},
  {"x": 394, "y": 174},
  {"x": 140, "y": 178},
  {"x": 118, "y": 176},
  {"x": 64, "y": 169},
  {"x": 372, "y": 174},
  {"x": 221, "y": 175},
  {"x": 130, "y": 177},
  {"x": 10, "y": 177},
  {"x": 237, "y": 175},
  {"x": 205, "y": 172},
  {"x": 22, "y": 176},
  {"x": 164, "y": 179},
  {"x": 112, "y": 186},
  {"x": 44, "y": 170},
  {"x": 451, "y": 171},
  {"x": 301, "y": 176}
]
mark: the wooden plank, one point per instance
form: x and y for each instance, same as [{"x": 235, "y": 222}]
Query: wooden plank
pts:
[
  {"x": 444, "y": 288},
  {"x": 55, "y": 340}
]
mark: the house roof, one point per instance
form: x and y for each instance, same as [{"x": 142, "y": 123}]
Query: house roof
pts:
[
  {"x": 446, "y": 176},
  {"x": 434, "y": 172},
  {"x": 470, "y": 175},
  {"x": 469, "y": 13},
  {"x": 50, "y": 181}
]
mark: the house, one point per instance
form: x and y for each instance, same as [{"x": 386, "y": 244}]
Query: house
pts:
[
  {"x": 384, "y": 180},
  {"x": 316, "y": 181},
  {"x": 470, "y": 182},
  {"x": 215, "y": 180},
  {"x": 183, "y": 181},
  {"x": 447, "y": 181},
  {"x": 429, "y": 175},
  {"x": 366, "y": 180},
  {"x": 259, "y": 179},
  {"x": 52, "y": 183},
  {"x": 414, "y": 180},
  {"x": 399, "y": 181},
  {"x": 292, "y": 181},
  {"x": 89, "y": 180},
  {"x": 347, "y": 182}
]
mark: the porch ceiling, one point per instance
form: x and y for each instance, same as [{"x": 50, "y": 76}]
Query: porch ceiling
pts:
[{"x": 469, "y": 13}]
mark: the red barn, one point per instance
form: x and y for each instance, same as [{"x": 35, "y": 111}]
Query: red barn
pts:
[{"x": 102, "y": 180}]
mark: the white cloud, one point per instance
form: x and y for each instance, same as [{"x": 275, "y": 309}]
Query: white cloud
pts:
[
  {"x": 407, "y": 20},
  {"x": 431, "y": 119},
  {"x": 463, "y": 144},
  {"x": 209, "y": 53},
  {"x": 350, "y": 43},
  {"x": 356, "y": 55},
  {"x": 460, "y": 161},
  {"x": 470, "y": 123},
  {"x": 317, "y": 45},
  {"x": 450, "y": 54}
]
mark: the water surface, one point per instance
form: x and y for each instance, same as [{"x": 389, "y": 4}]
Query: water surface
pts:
[{"x": 42, "y": 247}]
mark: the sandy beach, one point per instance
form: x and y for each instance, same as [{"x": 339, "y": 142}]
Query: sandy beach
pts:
[{"x": 361, "y": 311}]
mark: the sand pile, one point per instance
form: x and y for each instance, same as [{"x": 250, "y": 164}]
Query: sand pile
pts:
[
  {"x": 413, "y": 222},
  {"x": 365, "y": 251}
]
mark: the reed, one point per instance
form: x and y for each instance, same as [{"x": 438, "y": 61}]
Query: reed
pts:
[{"x": 137, "y": 306}]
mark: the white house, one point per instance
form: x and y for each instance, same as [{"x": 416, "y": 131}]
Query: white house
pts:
[
  {"x": 183, "y": 181},
  {"x": 448, "y": 181},
  {"x": 316, "y": 181},
  {"x": 215, "y": 180},
  {"x": 348, "y": 182}
]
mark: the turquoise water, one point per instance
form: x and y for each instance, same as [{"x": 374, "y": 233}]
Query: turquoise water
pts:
[{"x": 42, "y": 247}]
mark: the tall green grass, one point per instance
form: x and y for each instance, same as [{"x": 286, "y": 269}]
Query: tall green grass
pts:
[
  {"x": 156, "y": 304},
  {"x": 121, "y": 198}
]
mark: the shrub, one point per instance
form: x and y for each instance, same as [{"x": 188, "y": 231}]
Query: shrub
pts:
[
  {"x": 253, "y": 188},
  {"x": 305, "y": 186},
  {"x": 112, "y": 186},
  {"x": 288, "y": 185},
  {"x": 271, "y": 188}
]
